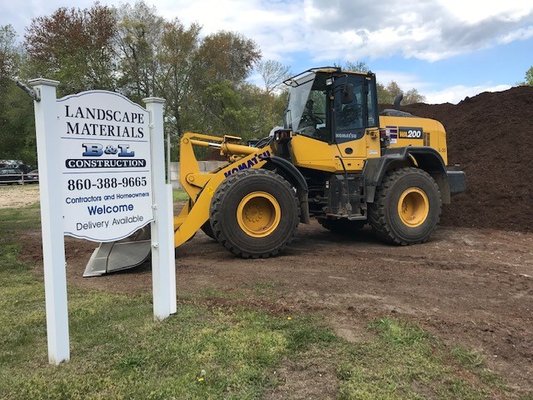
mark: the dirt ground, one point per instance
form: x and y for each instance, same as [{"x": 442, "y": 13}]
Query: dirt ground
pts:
[
  {"x": 486, "y": 136},
  {"x": 467, "y": 286},
  {"x": 18, "y": 196}
]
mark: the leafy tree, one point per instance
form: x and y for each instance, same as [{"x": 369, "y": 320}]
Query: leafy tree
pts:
[
  {"x": 358, "y": 66},
  {"x": 273, "y": 74},
  {"x": 139, "y": 39},
  {"x": 75, "y": 47},
  {"x": 133, "y": 50},
  {"x": 267, "y": 109},
  {"x": 9, "y": 54},
  {"x": 227, "y": 56},
  {"x": 17, "y": 128},
  {"x": 199, "y": 78},
  {"x": 223, "y": 61},
  {"x": 529, "y": 77},
  {"x": 387, "y": 94},
  {"x": 179, "y": 47},
  {"x": 412, "y": 96},
  {"x": 17, "y": 133}
]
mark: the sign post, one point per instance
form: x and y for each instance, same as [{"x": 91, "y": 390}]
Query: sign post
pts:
[
  {"x": 101, "y": 166},
  {"x": 163, "y": 262},
  {"x": 55, "y": 280}
]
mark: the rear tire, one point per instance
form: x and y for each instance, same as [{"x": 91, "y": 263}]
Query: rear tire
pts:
[
  {"x": 407, "y": 206},
  {"x": 254, "y": 213}
]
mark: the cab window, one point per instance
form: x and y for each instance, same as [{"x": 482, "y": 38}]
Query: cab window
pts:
[{"x": 354, "y": 107}]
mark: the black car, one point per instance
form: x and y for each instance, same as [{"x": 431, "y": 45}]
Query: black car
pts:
[
  {"x": 32, "y": 177},
  {"x": 11, "y": 175}
]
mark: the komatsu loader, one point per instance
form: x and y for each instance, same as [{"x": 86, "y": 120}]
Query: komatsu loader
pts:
[{"x": 337, "y": 159}]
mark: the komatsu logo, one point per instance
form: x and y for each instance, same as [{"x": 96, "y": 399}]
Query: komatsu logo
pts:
[{"x": 248, "y": 164}]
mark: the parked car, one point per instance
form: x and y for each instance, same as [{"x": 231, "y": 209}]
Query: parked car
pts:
[
  {"x": 32, "y": 177},
  {"x": 11, "y": 175}
]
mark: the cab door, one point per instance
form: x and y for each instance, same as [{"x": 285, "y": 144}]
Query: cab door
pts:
[{"x": 354, "y": 120}]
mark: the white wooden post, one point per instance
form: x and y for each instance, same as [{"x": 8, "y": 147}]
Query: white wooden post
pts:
[
  {"x": 171, "y": 259},
  {"x": 55, "y": 280},
  {"x": 163, "y": 262}
]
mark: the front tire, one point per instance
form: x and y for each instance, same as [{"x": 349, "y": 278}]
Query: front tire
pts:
[
  {"x": 206, "y": 228},
  {"x": 406, "y": 208},
  {"x": 254, "y": 213}
]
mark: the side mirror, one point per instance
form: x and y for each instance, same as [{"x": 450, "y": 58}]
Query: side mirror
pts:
[{"x": 347, "y": 93}]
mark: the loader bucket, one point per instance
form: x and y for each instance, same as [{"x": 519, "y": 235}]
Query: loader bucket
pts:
[{"x": 123, "y": 254}]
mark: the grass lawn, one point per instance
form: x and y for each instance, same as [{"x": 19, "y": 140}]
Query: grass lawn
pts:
[
  {"x": 180, "y": 195},
  {"x": 208, "y": 352}
]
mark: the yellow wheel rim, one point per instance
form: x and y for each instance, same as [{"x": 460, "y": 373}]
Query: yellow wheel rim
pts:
[
  {"x": 413, "y": 207},
  {"x": 258, "y": 214}
]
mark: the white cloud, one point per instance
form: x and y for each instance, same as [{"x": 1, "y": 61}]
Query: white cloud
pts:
[
  {"x": 455, "y": 94},
  {"x": 428, "y": 31},
  {"x": 270, "y": 24},
  {"x": 321, "y": 31},
  {"x": 356, "y": 29},
  {"x": 341, "y": 29},
  {"x": 451, "y": 94},
  {"x": 474, "y": 11},
  {"x": 405, "y": 80},
  {"x": 519, "y": 34}
]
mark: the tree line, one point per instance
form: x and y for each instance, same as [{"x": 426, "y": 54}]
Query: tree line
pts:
[{"x": 132, "y": 50}]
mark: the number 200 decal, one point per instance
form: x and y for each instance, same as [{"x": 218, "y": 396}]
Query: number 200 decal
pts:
[{"x": 411, "y": 133}]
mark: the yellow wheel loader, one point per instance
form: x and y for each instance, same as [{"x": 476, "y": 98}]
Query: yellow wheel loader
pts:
[{"x": 336, "y": 159}]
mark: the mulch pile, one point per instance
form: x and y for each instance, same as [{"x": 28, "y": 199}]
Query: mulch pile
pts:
[{"x": 490, "y": 136}]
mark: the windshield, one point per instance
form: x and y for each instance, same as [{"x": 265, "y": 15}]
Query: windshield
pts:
[
  {"x": 298, "y": 94},
  {"x": 307, "y": 105}
]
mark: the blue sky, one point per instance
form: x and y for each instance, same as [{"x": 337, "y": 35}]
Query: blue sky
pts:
[{"x": 447, "y": 49}]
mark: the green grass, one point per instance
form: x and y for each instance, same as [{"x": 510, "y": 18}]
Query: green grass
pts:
[
  {"x": 180, "y": 195},
  {"x": 206, "y": 351},
  {"x": 404, "y": 362},
  {"x": 16, "y": 220},
  {"x": 117, "y": 351}
]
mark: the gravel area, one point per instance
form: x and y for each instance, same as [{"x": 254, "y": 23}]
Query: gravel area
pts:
[{"x": 18, "y": 195}]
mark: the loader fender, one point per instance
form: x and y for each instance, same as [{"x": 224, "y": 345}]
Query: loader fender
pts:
[
  {"x": 425, "y": 158},
  {"x": 295, "y": 177}
]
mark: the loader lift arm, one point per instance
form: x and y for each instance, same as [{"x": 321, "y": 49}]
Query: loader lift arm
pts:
[{"x": 201, "y": 186}]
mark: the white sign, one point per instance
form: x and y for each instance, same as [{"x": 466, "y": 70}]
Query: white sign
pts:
[
  {"x": 100, "y": 122},
  {"x": 106, "y": 179}
]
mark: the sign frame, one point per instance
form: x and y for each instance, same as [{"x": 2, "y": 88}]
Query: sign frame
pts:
[{"x": 49, "y": 162}]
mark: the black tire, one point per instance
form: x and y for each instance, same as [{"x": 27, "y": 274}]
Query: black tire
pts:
[
  {"x": 342, "y": 226},
  {"x": 407, "y": 206},
  {"x": 206, "y": 228},
  {"x": 254, "y": 213}
]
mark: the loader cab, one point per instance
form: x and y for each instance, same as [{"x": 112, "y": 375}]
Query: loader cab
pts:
[{"x": 330, "y": 105}]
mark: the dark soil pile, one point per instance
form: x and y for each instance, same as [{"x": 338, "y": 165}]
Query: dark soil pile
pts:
[{"x": 490, "y": 136}]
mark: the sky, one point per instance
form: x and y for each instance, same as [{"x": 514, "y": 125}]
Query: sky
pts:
[{"x": 446, "y": 49}]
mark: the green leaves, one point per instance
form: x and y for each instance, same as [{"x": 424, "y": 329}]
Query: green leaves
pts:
[
  {"x": 75, "y": 47},
  {"x": 9, "y": 54},
  {"x": 529, "y": 77}
]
